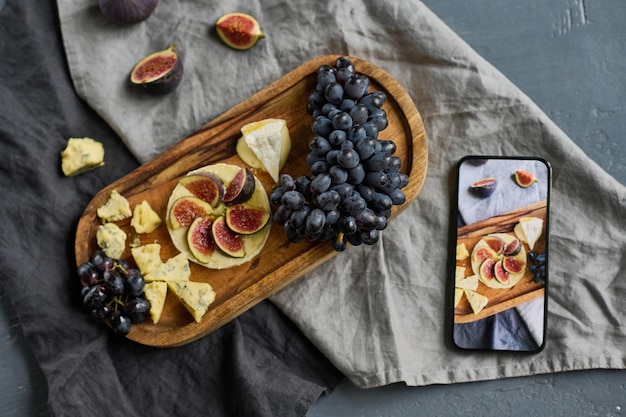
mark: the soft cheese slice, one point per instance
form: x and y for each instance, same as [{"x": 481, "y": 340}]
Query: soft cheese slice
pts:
[
  {"x": 155, "y": 293},
  {"x": 116, "y": 208},
  {"x": 81, "y": 155},
  {"x": 111, "y": 239},
  {"x": 147, "y": 257},
  {"x": 459, "y": 274},
  {"x": 532, "y": 227},
  {"x": 195, "y": 296},
  {"x": 469, "y": 283},
  {"x": 270, "y": 143},
  {"x": 174, "y": 269},
  {"x": 458, "y": 294},
  {"x": 145, "y": 219},
  {"x": 477, "y": 301},
  {"x": 461, "y": 252}
]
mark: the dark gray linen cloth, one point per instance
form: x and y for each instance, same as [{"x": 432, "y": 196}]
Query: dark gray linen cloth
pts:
[
  {"x": 257, "y": 365},
  {"x": 379, "y": 313}
]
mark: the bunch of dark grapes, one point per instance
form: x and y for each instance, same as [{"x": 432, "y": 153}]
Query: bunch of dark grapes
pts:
[
  {"x": 538, "y": 267},
  {"x": 355, "y": 176},
  {"x": 113, "y": 290}
]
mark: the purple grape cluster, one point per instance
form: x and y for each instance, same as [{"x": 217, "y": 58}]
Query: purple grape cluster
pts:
[
  {"x": 113, "y": 290},
  {"x": 355, "y": 176}
]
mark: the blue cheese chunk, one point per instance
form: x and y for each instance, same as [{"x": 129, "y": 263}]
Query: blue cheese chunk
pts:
[
  {"x": 111, "y": 239},
  {"x": 81, "y": 155},
  {"x": 145, "y": 219},
  {"x": 116, "y": 208},
  {"x": 155, "y": 293},
  {"x": 195, "y": 296},
  {"x": 147, "y": 257},
  {"x": 174, "y": 269}
]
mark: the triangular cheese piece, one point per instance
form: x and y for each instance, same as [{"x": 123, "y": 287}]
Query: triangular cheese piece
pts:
[
  {"x": 532, "y": 227},
  {"x": 270, "y": 142},
  {"x": 174, "y": 269},
  {"x": 155, "y": 293},
  {"x": 459, "y": 274},
  {"x": 147, "y": 257},
  {"x": 469, "y": 283},
  {"x": 477, "y": 301},
  {"x": 195, "y": 296},
  {"x": 458, "y": 294},
  {"x": 461, "y": 252}
]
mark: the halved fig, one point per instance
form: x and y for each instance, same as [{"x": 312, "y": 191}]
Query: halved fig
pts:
[
  {"x": 501, "y": 274},
  {"x": 207, "y": 187},
  {"x": 200, "y": 239},
  {"x": 227, "y": 241},
  {"x": 186, "y": 209},
  {"x": 241, "y": 187},
  {"x": 485, "y": 187},
  {"x": 495, "y": 243},
  {"x": 487, "y": 269},
  {"x": 512, "y": 248},
  {"x": 483, "y": 253},
  {"x": 160, "y": 72},
  {"x": 246, "y": 220},
  {"x": 239, "y": 30},
  {"x": 524, "y": 178},
  {"x": 513, "y": 265}
]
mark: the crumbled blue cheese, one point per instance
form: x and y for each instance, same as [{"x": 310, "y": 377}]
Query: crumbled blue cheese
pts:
[
  {"x": 195, "y": 296},
  {"x": 174, "y": 269},
  {"x": 111, "y": 239},
  {"x": 147, "y": 257},
  {"x": 145, "y": 219},
  {"x": 155, "y": 293},
  {"x": 116, "y": 208},
  {"x": 81, "y": 155}
]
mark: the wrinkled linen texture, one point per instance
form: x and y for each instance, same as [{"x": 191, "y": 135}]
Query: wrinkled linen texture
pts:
[{"x": 379, "y": 313}]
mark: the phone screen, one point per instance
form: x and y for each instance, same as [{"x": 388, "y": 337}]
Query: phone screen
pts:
[{"x": 500, "y": 269}]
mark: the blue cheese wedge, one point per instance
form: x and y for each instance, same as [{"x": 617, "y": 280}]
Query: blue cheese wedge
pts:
[
  {"x": 115, "y": 209},
  {"x": 195, "y": 296},
  {"x": 81, "y": 155},
  {"x": 174, "y": 269},
  {"x": 145, "y": 219},
  {"x": 147, "y": 257},
  {"x": 155, "y": 293},
  {"x": 111, "y": 239},
  {"x": 469, "y": 283},
  {"x": 265, "y": 144},
  {"x": 477, "y": 301}
]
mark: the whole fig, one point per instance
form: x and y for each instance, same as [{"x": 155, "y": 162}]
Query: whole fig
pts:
[{"x": 127, "y": 11}]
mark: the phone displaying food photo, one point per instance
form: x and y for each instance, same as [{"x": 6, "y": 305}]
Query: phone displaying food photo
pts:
[{"x": 500, "y": 270}]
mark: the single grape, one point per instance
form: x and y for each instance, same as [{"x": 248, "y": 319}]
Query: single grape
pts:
[
  {"x": 328, "y": 200},
  {"x": 379, "y": 161},
  {"x": 328, "y": 107},
  {"x": 375, "y": 179},
  {"x": 326, "y": 76},
  {"x": 298, "y": 217},
  {"x": 315, "y": 221},
  {"x": 292, "y": 233},
  {"x": 281, "y": 215},
  {"x": 95, "y": 297},
  {"x": 134, "y": 283},
  {"x": 276, "y": 195},
  {"x": 369, "y": 237},
  {"x": 315, "y": 101},
  {"x": 394, "y": 164},
  {"x": 333, "y": 93},
  {"x": 341, "y": 120},
  {"x": 541, "y": 259},
  {"x": 366, "y": 219},
  {"x": 353, "y": 205},
  {"x": 338, "y": 175},
  {"x": 380, "y": 202},
  {"x": 344, "y": 74},
  {"x": 137, "y": 309},
  {"x": 370, "y": 129},
  {"x": 88, "y": 273},
  {"x": 337, "y": 137},
  {"x": 340, "y": 242},
  {"x": 319, "y": 145},
  {"x": 356, "y": 86},
  {"x": 287, "y": 182},
  {"x": 319, "y": 167},
  {"x": 359, "y": 114},
  {"x": 372, "y": 101},
  {"x": 323, "y": 126},
  {"x": 331, "y": 156},
  {"x": 532, "y": 256},
  {"x": 120, "y": 323},
  {"x": 388, "y": 146},
  {"x": 332, "y": 217},
  {"x": 101, "y": 261},
  {"x": 382, "y": 223},
  {"x": 113, "y": 281},
  {"x": 303, "y": 184},
  {"x": 356, "y": 133},
  {"x": 347, "y": 105},
  {"x": 354, "y": 239},
  {"x": 320, "y": 183},
  {"x": 344, "y": 62},
  {"x": 101, "y": 314},
  {"x": 365, "y": 147},
  {"x": 293, "y": 200},
  {"x": 344, "y": 189},
  {"x": 348, "y": 158},
  {"x": 348, "y": 225},
  {"x": 356, "y": 174},
  {"x": 397, "y": 197},
  {"x": 365, "y": 191},
  {"x": 380, "y": 121}
]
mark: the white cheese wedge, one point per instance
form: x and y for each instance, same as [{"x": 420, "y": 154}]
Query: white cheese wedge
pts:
[
  {"x": 469, "y": 283},
  {"x": 147, "y": 257},
  {"x": 155, "y": 293},
  {"x": 81, "y": 155},
  {"x": 529, "y": 230},
  {"x": 111, "y": 239},
  {"x": 145, "y": 219},
  {"x": 116, "y": 208},
  {"x": 477, "y": 301},
  {"x": 195, "y": 296},
  {"x": 458, "y": 294},
  {"x": 459, "y": 274},
  {"x": 174, "y": 269},
  {"x": 269, "y": 142},
  {"x": 461, "y": 252}
]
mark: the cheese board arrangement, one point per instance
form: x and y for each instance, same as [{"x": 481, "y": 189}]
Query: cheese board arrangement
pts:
[{"x": 215, "y": 244}]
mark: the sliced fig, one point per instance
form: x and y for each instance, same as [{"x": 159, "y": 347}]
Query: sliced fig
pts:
[
  {"x": 246, "y": 220},
  {"x": 487, "y": 269},
  {"x": 241, "y": 187},
  {"x": 495, "y": 243},
  {"x": 524, "y": 178},
  {"x": 186, "y": 209},
  {"x": 485, "y": 187},
  {"x": 200, "y": 239},
  {"x": 239, "y": 30},
  {"x": 160, "y": 72},
  {"x": 207, "y": 187},
  {"x": 227, "y": 241},
  {"x": 513, "y": 265},
  {"x": 483, "y": 253},
  {"x": 501, "y": 274},
  {"x": 512, "y": 248}
]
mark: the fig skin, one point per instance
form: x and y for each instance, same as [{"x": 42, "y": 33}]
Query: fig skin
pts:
[
  {"x": 240, "y": 188},
  {"x": 123, "y": 12},
  {"x": 159, "y": 73},
  {"x": 485, "y": 187},
  {"x": 240, "y": 31}
]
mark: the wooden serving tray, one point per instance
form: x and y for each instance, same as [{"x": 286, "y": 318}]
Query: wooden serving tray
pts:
[
  {"x": 500, "y": 299},
  {"x": 280, "y": 262}
]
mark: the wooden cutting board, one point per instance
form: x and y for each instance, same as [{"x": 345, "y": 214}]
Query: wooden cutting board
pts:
[
  {"x": 279, "y": 263},
  {"x": 500, "y": 299}
]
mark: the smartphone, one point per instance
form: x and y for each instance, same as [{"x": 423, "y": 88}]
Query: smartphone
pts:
[{"x": 500, "y": 270}]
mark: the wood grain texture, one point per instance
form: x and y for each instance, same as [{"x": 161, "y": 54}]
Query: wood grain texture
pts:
[{"x": 280, "y": 262}]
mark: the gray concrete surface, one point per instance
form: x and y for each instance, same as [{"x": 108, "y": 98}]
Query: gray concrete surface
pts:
[{"x": 569, "y": 56}]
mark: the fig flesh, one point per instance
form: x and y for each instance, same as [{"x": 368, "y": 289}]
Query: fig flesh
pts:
[
  {"x": 246, "y": 220},
  {"x": 524, "y": 178},
  {"x": 160, "y": 72},
  {"x": 495, "y": 243},
  {"x": 487, "y": 269},
  {"x": 207, "y": 187},
  {"x": 241, "y": 188},
  {"x": 513, "y": 265},
  {"x": 512, "y": 248},
  {"x": 186, "y": 209},
  {"x": 239, "y": 30},
  {"x": 484, "y": 188},
  {"x": 227, "y": 241},
  {"x": 127, "y": 11},
  {"x": 481, "y": 254},
  {"x": 200, "y": 239},
  {"x": 501, "y": 274}
]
